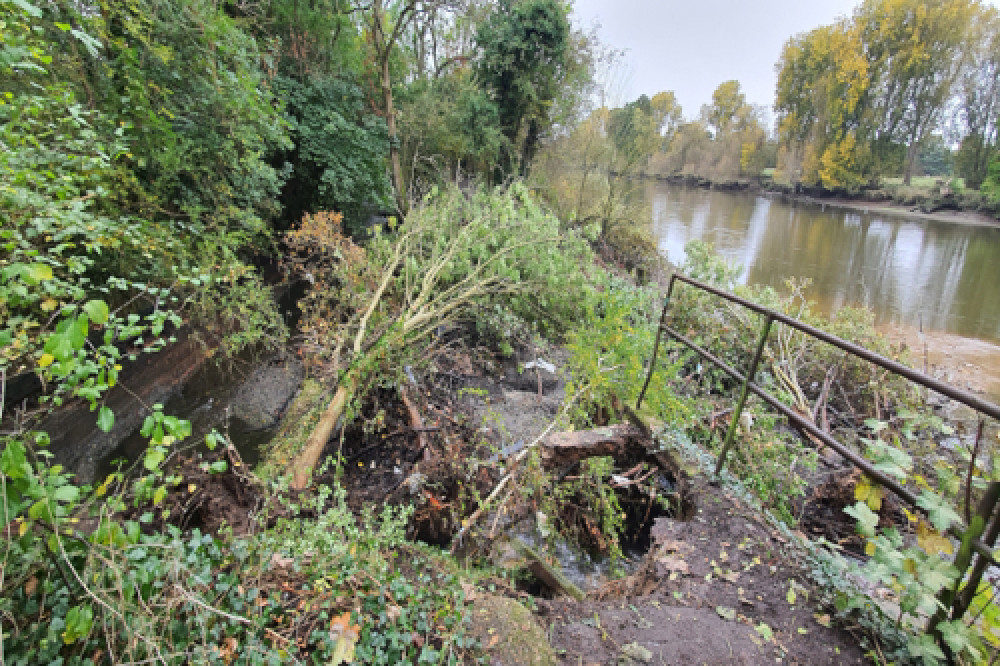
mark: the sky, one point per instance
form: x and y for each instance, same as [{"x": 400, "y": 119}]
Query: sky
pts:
[{"x": 691, "y": 46}]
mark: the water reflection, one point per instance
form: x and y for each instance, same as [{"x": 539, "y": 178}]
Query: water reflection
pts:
[{"x": 942, "y": 274}]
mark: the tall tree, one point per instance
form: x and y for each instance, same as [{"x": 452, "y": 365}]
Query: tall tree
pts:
[
  {"x": 523, "y": 58},
  {"x": 979, "y": 100},
  {"x": 916, "y": 50},
  {"x": 384, "y": 27},
  {"x": 853, "y": 97}
]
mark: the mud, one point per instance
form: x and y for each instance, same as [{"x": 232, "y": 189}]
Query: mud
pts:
[
  {"x": 964, "y": 362},
  {"x": 712, "y": 590}
]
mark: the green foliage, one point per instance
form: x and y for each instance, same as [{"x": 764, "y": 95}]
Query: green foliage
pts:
[
  {"x": 395, "y": 589},
  {"x": 185, "y": 83},
  {"x": 339, "y": 150},
  {"x": 448, "y": 125},
  {"x": 610, "y": 350},
  {"x": 991, "y": 185},
  {"x": 523, "y": 49}
]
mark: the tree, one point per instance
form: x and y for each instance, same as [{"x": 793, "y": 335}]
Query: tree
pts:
[
  {"x": 857, "y": 97},
  {"x": 729, "y": 111},
  {"x": 821, "y": 102},
  {"x": 979, "y": 100},
  {"x": 666, "y": 113},
  {"x": 522, "y": 60},
  {"x": 935, "y": 157},
  {"x": 916, "y": 51},
  {"x": 448, "y": 125},
  {"x": 383, "y": 30}
]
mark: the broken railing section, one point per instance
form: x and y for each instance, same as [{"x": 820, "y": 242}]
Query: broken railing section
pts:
[{"x": 983, "y": 532}]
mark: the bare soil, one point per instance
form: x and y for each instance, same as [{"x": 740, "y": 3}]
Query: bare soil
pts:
[
  {"x": 722, "y": 588},
  {"x": 719, "y": 588}
]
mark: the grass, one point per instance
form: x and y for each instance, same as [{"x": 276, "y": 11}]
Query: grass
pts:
[{"x": 923, "y": 182}]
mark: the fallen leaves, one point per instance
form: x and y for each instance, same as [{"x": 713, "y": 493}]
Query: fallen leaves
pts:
[{"x": 344, "y": 636}]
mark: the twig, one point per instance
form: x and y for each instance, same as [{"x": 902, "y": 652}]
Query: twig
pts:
[
  {"x": 198, "y": 602},
  {"x": 471, "y": 520}
]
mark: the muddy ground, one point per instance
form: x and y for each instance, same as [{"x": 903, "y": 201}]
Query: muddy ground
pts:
[
  {"x": 713, "y": 584},
  {"x": 719, "y": 588}
]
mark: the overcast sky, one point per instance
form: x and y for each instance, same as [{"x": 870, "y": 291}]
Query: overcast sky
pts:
[{"x": 691, "y": 46}]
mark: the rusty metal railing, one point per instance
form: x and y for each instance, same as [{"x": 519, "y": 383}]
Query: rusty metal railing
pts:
[{"x": 748, "y": 385}]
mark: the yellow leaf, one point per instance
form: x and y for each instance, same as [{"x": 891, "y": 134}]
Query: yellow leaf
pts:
[
  {"x": 22, "y": 528},
  {"x": 344, "y": 635},
  {"x": 46, "y": 360},
  {"x": 869, "y": 493},
  {"x": 870, "y": 549},
  {"x": 931, "y": 541},
  {"x": 49, "y": 304}
]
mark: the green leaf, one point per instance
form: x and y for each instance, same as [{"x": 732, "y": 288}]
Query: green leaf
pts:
[
  {"x": 939, "y": 511},
  {"x": 105, "y": 419},
  {"x": 38, "y": 272},
  {"x": 97, "y": 311},
  {"x": 959, "y": 638},
  {"x": 867, "y": 519},
  {"x": 13, "y": 459},
  {"x": 67, "y": 493},
  {"x": 218, "y": 467},
  {"x": 40, "y": 511},
  {"x": 935, "y": 573},
  {"x": 154, "y": 457},
  {"x": 79, "y": 621},
  {"x": 924, "y": 647}
]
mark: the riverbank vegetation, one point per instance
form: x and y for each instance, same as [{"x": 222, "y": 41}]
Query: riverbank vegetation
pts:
[
  {"x": 440, "y": 181},
  {"x": 858, "y": 104}
]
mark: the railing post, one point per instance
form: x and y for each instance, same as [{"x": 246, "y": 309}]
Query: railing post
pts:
[
  {"x": 656, "y": 344},
  {"x": 750, "y": 376},
  {"x": 962, "y": 598}
]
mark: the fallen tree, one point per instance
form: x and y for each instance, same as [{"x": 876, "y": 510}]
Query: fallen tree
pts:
[{"x": 454, "y": 254}]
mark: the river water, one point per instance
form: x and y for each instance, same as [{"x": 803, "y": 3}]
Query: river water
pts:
[
  {"x": 943, "y": 275},
  {"x": 933, "y": 284}
]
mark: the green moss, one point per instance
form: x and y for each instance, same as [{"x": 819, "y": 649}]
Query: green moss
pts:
[
  {"x": 302, "y": 416},
  {"x": 508, "y": 632}
]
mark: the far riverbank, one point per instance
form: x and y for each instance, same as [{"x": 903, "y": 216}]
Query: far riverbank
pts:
[{"x": 947, "y": 209}]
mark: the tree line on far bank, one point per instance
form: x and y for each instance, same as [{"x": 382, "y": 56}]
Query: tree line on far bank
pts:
[{"x": 897, "y": 89}]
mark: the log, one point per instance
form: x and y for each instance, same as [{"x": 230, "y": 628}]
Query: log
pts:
[
  {"x": 548, "y": 574},
  {"x": 306, "y": 461},
  {"x": 416, "y": 422},
  {"x": 561, "y": 448}
]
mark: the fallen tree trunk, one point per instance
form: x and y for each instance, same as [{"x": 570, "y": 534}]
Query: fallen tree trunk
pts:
[
  {"x": 561, "y": 448},
  {"x": 417, "y": 291},
  {"x": 310, "y": 455}
]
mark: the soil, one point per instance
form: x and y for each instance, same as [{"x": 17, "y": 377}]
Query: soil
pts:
[
  {"x": 965, "y": 362},
  {"x": 965, "y": 217},
  {"x": 721, "y": 587}
]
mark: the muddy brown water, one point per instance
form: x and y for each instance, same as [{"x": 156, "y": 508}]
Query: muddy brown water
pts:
[{"x": 916, "y": 274}]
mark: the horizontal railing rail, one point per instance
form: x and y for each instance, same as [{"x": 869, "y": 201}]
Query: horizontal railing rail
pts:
[{"x": 749, "y": 385}]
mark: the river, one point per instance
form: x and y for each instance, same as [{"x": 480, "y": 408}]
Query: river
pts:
[{"x": 941, "y": 276}]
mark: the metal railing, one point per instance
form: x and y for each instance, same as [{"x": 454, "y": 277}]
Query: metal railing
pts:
[{"x": 749, "y": 385}]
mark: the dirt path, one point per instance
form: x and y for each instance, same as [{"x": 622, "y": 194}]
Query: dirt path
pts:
[{"x": 720, "y": 588}]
